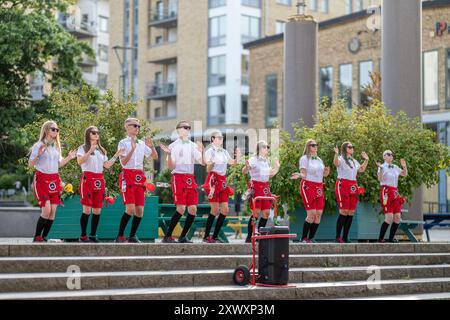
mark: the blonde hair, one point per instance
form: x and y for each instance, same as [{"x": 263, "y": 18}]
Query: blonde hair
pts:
[
  {"x": 306, "y": 151},
  {"x": 131, "y": 120},
  {"x": 259, "y": 145},
  {"x": 44, "y": 129}
]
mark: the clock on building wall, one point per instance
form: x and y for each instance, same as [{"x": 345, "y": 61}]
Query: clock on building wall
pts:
[{"x": 354, "y": 45}]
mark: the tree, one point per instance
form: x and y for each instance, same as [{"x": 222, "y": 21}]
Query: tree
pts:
[
  {"x": 74, "y": 111},
  {"x": 372, "y": 130},
  {"x": 31, "y": 40}
]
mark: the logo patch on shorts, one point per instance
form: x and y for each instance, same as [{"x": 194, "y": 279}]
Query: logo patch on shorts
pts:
[
  {"x": 266, "y": 191},
  {"x": 189, "y": 181},
  {"x": 319, "y": 192},
  {"x": 353, "y": 189},
  {"x": 138, "y": 178},
  {"x": 97, "y": 183},
  {"x": 52, "y": 186},
  {"x": 224, "y": 184}
]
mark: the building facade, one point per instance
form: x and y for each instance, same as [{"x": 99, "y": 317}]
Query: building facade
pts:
[{"x": 348, "y": 51}]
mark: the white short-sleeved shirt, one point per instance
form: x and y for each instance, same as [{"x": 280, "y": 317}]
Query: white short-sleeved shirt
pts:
[
  {"x": 185, "y": 154},
  {"x": 390, "y": 175},
  {"x": 220, "y": 157},
  {"x": 94, "y": 162},
  {"x": 346, "y": 172},
  {"x": 259, "y": 168},
  {"x": 48, "y": 162},
  {"x": 314, "y": 168},
  {"x": 137, "y": 159}
]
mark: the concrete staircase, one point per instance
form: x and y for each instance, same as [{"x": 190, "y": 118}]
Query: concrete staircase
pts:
[{"x": 200, "y": 271}]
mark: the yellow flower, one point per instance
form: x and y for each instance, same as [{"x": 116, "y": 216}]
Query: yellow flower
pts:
[{"x": 68, "y": 188}]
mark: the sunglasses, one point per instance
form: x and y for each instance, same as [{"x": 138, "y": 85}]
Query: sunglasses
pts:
[
  {"x": 54, "y": 129},
  {"x": 95, "y": 133},
  {"x": 137, "y": 126},
  {"x": 266, "y": 147},
  {"x": 184, "y": 127},
  {"x": 218, "y": 137},
  {"x": 350, "y": 147},
  {"x": 388, "y": 154},
  {"x": 314, "y": 145}
]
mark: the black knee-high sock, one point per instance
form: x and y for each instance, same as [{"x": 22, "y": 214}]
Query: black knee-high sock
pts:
[
  {"x": 135, "y": 225},
  {"x": 262, "y": 223},
  {"x": 340, "y": 224},
  {"x": 84, "y": 222},
  {"x": 209, "y": 224},
  {"x": 47, "y": 227},
  {"x": 313, "y": 230},
  {"x": 94, "y": 224},
  {"x": 40, "y": 226},
  {"x": 249, "y": 228},
  {"x": 123, "y": 223},
  {"x": 394, "y": 227},
  {"x": 347, "y": 225},
  {"x": 173, "y": 223},
  {"x": 187, "y": 225},
  {"x": 383, "y": 230},
  {"x": 306, "y": 227},
  {"x": 219, "y": 224}
]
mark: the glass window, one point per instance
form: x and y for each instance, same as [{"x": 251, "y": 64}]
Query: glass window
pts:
[
  {"x": 313, "y": 5},
  {"x": 245, "y": 69},
  {"x": 359, "y": 5},
  {"x": 250, "y": 28},
  {"x": 345, "y": 83},
  {"x": 103, "y": 52},
  {"x": 447, "y": 80},
  {"x": 159, "y": 40},
  {"x": 326, "y": 83},
  {"x": 271, "y": 99},
  {"x": 324, "y": 6},
  {"x": 365, "y": 68},
  {"x": 217, "y": 72},
  {"x": 216, "y": 110},
  {"x": 348, "y": 6},
  {"x": 285, "y": 2},
  {"x": 217, "y": 31},
  {"x": 251, "y": 3},
  {"x": 103, "y": 23},
  {"x": 244, "y": 109},
  {"x": 430, "y": 80},
  {"x": 280, "y": 27},
  {"x": 102, "y": 81},
  {"x": 217, "y": 3}
]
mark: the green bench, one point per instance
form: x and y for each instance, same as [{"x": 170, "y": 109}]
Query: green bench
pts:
[{"x": 407, "y": 226}]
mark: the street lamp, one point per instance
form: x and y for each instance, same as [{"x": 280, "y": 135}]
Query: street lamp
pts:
[{"x": 124, "y": 67}]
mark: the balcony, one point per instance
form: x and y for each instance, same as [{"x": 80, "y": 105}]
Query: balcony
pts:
[
  {"x": 87, "y": 61},
  {"x": 80, "y": 29},
  {"x": 161, "y": 91},
  {"x": 163, "y": 53},
  {"x": 164, "y": 16}
]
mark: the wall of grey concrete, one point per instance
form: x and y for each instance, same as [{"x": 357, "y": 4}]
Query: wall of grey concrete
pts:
[{"x": 18, "y": 222}]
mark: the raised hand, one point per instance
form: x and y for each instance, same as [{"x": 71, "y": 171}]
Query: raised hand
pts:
[
  {"x": 277, "y": 164},
  {"x": 93, "y": 147},
  {"x": 120, "y": 152},
  {"x": 165, "y": 148},
  {"x": 73, "y": 154},
  {"x": 149, "y": 142},
  {"x": 336, "y": 150},
  {"x": 133, "y": 143},
  {"x": 326, "y": 171},
  {"x": 365, "y": 156},
  {"x": 379, "y": 165},
  {"x": 200, "y": 146},
  {"x": 295, "y": 176},
  {"x": 41, "y": 150},
  {"x": 403, "y": 163},
  {"x": 237, "y": 152}
]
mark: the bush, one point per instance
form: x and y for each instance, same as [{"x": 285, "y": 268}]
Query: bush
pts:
[{"x": 371, "y": 129}]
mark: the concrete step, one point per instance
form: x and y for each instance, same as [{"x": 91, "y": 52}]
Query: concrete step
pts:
[
  {"x": 296, "y": 291},
  {"x": 425, "y": 296},
  {"x": 156, "y": 249},
  {"x": 205, "y": 262},
  {"x": 23, "y": 282}
]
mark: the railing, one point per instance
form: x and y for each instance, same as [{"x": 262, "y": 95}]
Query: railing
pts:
[
  {"x": 162, "y": 13},
  {"x": 69, "y": 23},
  {"x": 217, "y": 3},
  {"x": 216, "y": 80},
  {"x": 251, "y": 3},
  {"x": 436, "y": 207},
  {"x": 164, "y": 89}
]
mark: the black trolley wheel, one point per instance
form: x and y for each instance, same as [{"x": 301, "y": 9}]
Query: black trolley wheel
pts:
[{"x": 241, "y": 276}]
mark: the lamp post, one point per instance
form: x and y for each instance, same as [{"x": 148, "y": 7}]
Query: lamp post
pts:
[{"x": 124, "y": 68}]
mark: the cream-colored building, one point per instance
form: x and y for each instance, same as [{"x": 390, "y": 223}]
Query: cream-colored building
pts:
[{"x": 185, "y": 59}]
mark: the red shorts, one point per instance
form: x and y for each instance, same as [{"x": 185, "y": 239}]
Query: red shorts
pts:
[
  {"x": 346, "y": 194},
  {"x": 217, "y": 185},
  {"x": 312, "y": 195},
  {"x": 92, "y": 189},
  {"x": 132, "y": 186},
  {"x": 261, "y": 189},
  {"x": 391, "y": 200},
  {"x": 47, "y": 187},
  {"x": 184, "y": 189}
]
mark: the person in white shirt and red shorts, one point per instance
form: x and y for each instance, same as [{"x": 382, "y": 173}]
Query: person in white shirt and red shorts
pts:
[
  {"x": 260, "y": 173},
  {"x": 346, "y": 188},
  {"x": 390, "y": 198},
  {"x": 182, "y": 155},
  {"x": 217, "y": 190},
  {"x": 312, "y": 172},
  {"x": 46, "y": 159},
  {"x": 132, "y": 178},
  {"x": 91, "y": 156}
]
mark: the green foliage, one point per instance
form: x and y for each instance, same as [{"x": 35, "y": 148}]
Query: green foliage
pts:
[
  {"x": 372, "y": 130},
  {"x": 76, "y": 110},
  {"x": 164, "y": 194}
]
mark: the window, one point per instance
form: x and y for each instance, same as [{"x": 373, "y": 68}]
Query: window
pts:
[
  {"x": 345, "y": 83},
  {"x": 280, "y": 27},
  {"x": 102, "y": 81},
  {"x": 245, "y": 69},
  {"x": 244, "y": 109},
  {"x": 285, "y": 2},
  {"x": 103, "y": 52},
  {"x": 430, "y": 80},
  {"x": 447, "y": 80},
  {"x": 365, "y": 68},
  {"x": 250, "y": 28},
  {"x": 217, "y": 3},
  {"x": 359, "y": 6},
  {"x": 217, "y": 31},
  {"x": 216, "y": 110},
  {"x": 103, "y": 23},
  {"x": 348, "y": 6},
  {"x": 251, "y": 3},
  {"x": 217, "y": 72},
  {"x": 313, "y": 5},
  {"x": 159, "y": 40},
  {"x": 326, "y": 83},
  {"x": 271, "y": 99},
  {"x": 324, "y": 6}
]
